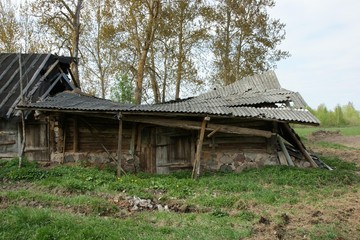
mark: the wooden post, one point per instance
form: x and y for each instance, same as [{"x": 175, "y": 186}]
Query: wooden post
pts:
[
  {"x": 119, "y": 150},
  {"x": 64, "y": 145},
  {"x": 300, "y": 146},
  {"x": 196, "y": 168},
  {"x": 76, "y": 135},
  {"x": 132, "y": 146},
  {"x": 285, "y": 151}
]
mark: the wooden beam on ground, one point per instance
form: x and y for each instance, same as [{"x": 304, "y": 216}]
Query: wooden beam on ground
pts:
[
  {"x": 300, "y": 145},
  {"x": 196, "y": 168},
  {"x": 119, "y": 150}
]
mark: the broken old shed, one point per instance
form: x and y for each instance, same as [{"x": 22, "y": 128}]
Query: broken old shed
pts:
[
  {"x": 39, "y": 76},
  {"x": 245, "y": 124}
]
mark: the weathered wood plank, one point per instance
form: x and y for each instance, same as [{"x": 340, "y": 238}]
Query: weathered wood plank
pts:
[
  {"x": 196, "y": 168},
  {"x": 11, "y": 142},
  {"x": 193, "y": 125},
  {"x": 300, "y": 146}
]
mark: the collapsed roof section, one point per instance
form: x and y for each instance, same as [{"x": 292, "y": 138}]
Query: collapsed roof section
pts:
[
  {"x": 41, "y": 75},
  {"x": 257, "y": 97}
]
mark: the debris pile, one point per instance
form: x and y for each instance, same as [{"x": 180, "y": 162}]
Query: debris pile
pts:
[
  {"x": 135, "y": 203},
  {"x": 325, "y": 133}
]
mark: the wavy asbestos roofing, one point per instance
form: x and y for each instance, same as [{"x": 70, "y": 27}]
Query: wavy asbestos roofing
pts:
[
  {"x": 259, "y": 97},
  {"x": 245, "y": 98}
]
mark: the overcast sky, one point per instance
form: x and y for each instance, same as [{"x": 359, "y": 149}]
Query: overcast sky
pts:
[{"x": 323, "y": 37}]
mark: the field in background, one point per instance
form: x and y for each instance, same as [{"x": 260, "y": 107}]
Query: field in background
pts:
[
  {"x": 304, "y": 132},
  {"x": 89, "y": 202}
]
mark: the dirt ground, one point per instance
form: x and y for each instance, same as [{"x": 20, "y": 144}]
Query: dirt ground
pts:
[
  {"x": 342, "y": 211},
  {"x": 350, "y": 154}
]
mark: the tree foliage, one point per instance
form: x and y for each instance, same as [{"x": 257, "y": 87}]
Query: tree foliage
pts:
[
  {"x": 167, "y": 49},
  {"x": 61, "y": 19},
  {"x": 341, "y": 116},
  {"x": 100, "y": 44},
  {"x": 10, "y": 28},
  {"x": 123, "y": 90},
  {"x": 246, "y": 38}
]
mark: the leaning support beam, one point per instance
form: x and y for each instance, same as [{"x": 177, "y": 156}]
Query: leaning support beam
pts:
[
  {"x": 285, "y": 151},
  {"x": 300, "y": 146},
  {"x": 196, "y": 168},
  {"x": 119, "y": 150}
]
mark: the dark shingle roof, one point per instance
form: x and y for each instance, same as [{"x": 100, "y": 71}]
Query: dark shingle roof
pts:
[
  {"x": 33, "y": 66},
  {"x": 77, "y": 102}
]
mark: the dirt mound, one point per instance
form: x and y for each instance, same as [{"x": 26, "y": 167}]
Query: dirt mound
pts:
[{"x": 324, "y": 133}]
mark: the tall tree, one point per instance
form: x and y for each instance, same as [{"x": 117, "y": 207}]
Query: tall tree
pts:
[
  {"x": 189, "y": 31},
  {"x": 101, "y": 44},
  {"x": 10, "y": 28},
  {"x": 61, "y": 18},
  {"x": 245, "y": 39},
  {"x": 140, "y": 21}
]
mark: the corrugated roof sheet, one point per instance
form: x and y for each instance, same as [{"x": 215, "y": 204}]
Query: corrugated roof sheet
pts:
[{"x": 259, "y": 97}]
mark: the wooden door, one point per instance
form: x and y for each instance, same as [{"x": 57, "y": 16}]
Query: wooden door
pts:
[{"x": 37, "y": 141}]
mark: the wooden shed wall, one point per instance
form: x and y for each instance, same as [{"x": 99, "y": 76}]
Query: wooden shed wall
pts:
[
  {"x": 8, "y": 139},
  {"x": 157, "y": 149},
  {"x": 91, "y": 134}
]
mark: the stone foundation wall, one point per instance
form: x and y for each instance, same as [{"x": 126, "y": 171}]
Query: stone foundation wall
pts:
[
  {"x": 238, "y": 161},
  {"x": 94, "y": 158}
]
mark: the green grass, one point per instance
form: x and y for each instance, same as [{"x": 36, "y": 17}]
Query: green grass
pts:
[
  {"x": 304, "y": 132},
  {"x": 27, "y": 223},
  {"x": 75, "y": 202},
  {"x": 334, "y": 146}
]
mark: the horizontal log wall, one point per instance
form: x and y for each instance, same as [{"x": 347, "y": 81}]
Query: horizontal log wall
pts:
[
  {"x": 8, "y": 139},
  {"x": 93, "y": 134},
  {"x": 89, "y": 138}
]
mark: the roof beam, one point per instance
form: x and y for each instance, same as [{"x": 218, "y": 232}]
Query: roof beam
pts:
[{"x": 193, "y": 125}]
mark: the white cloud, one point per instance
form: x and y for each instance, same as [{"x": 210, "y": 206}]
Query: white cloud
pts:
[{"x": 323, "y": 38}]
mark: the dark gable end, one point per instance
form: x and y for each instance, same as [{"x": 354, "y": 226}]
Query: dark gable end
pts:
[{"x": 41, "y": 75}]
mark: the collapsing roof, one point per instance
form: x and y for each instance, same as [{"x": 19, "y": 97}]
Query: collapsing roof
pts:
[
  {"x": 40, "y": 75},
  {"x": 255, "y": 97},
  {"x": 256, "y": 107}
]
